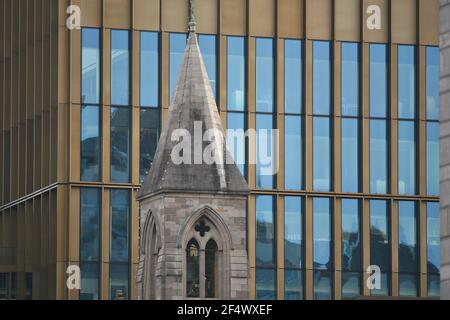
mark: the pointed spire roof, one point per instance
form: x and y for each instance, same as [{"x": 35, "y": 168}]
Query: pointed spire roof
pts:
[{"x": 193, "y": 103}]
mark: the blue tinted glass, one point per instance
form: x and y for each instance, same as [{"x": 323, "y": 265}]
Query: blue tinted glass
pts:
[
  {"x": 379, "y": 235},
  {"x": 236, "y": 74},
  {"x": 118, "y": 281},
  {"x": 433, "y": 158},
  {"x": 322, "y": 250},
  {"x": 265, "y": 165},
  {"x": 119, "y": 219},
  {"x": 149, "y": 69},
  {"x": 351, "y": 235},
  {"x": 351, "y": 285},
  {"x": 265, "y": 231},
  {"x": 406, "y": 157},
  {"x": 321, "y": 154},
  {"x": 90, "y": 66},
  {"x": 408, "y": 263},
  {"x": 120, "y": 67},
  {"x": 177, "y": 46},
  {"x": 350, "y": 81},
  {"x": 433, "y": 238},
  {"x": 265, "y": 284},
  {"x": 350, "y": 155},
  {"x": 432, "y": 76},
  {"x": 90, "y": 280},
  {"x": 293, "y": 284},
  {"x": 208, "y": 49},
  {"x": 89, "y": 224},
  {"x": 378, "y": 157},
  {"x": 293, "y": 235},
  {"x": 120, "y": 144},
  {"x": 323, "y": 285},
  {"x": 407, "y": 237},
  {"x": 293, "y": 159},
  {"x": 236, "y": 139},
  {"x": 90, "y": 143},
  {"x": 264, "y": 75},
  {"x": 378, "y": 80},
  {"x": 149, "y": 136},
  {"x": 406, "y": 82},
  {"x": 321, "y": 77},
  {"x": 434, "y": 285},
  {"x": 408, "y": 284},
  {"x": 384, "y": 286},
  {"x": 293, "y": 76}
]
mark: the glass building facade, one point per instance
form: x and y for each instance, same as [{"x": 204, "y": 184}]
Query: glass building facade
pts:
[
  {"x": 355, "y": 183},
  {"x": 365, "y": 221}
]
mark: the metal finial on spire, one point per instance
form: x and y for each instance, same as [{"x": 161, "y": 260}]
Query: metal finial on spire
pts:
[{"x": 192, "y": 24}]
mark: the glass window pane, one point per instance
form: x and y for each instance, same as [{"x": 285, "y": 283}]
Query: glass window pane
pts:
[
  {"x": 433, "y": 100},
  {"x": 120, "y": 67},
  {"x": 433, "y": 158},
  {"x": 378, "y": 157},
  {"x": 293, "y": 285},
  {"x": 236, "y": 79},
  {"x": 351, "y": 235},
  {"x": 208, "y": 48},
  {"x": 119, "y": 281},
  {"x": 350, "y": 80},
  {"x": 351, "y": 285},
  {"x": 406, "y": 157},
  {"x": 89, "y": 224},
  {"x": 384, "y": 286},
  {"x": 433, "y": 238},
  {"x": 90, "y": 149},
  {"x": 149, "y": 69},
  {"x": 322, "y": 250},
  {"x": 293, "y": 234},
  {"x": 265, "y": 142},
  {"x": 149, "y": 136},
  {"x": 264, "y": 75},
  {"x": 236, "y": 139},
  {"x": 90, "y": 66},
  {"x": 265, "y": 284},
  {"x": 177, "y": 46},
  {"x": 408, "y": 285},
  {"x": 90, "y": 278},
  {"x": 193, "y": 269},
  {"x": 434, "y": 285},
  {"x": 406, "y": 82},
  {"x": 120, "y": 144},
  {"x": 293, "y": 76},
  {"x": 323, "y": 285},
  {"x": 119, "y": 219},
  {"x": 321, "y": 77},
  {"x": 211, "y": 260},
  {"x": 433, "y": 248},
  {"x": 265, "y": 231},
  {"x": 379, "y": 235},
  {"x": 378, "y": 80},
  {"x": 321, "y": 154},
  {"x": 293, "y": 158},
  {"x": 350, "y": 155},
  {"x": 407, "y": 237}
]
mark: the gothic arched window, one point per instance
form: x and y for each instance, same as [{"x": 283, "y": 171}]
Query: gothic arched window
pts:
[
  {"x": 193, "y": 269},
  {"x": 206, "y": 240},
  {"x": 211, "y": 269}
]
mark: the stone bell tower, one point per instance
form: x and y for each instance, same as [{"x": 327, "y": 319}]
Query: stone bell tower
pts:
[{"x": 193, "y": 226}]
